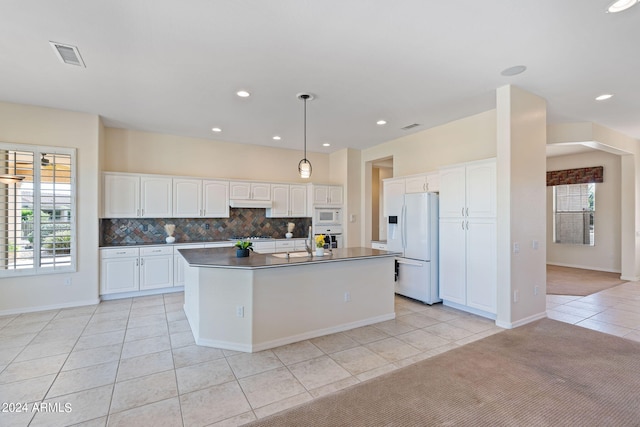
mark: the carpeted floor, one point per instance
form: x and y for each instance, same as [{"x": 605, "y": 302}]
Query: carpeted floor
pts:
[
  {"x": 546, "y": 373},
  {"x": 578, "y": 281}
]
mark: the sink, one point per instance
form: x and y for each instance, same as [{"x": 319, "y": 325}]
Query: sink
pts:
[{"x": 291, "y": 255}]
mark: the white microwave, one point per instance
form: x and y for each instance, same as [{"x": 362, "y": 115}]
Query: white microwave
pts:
[{"x": 327, "y": 217}]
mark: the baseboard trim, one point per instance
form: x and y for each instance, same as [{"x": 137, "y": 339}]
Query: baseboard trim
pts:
[
  {"x": 521, "y": 322},
  {"x": 49, "y": 307},
  {"x": 584, "y": 267},
  {"x": 147, "y": 292}
]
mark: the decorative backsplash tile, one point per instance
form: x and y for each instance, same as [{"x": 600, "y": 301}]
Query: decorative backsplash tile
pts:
[{"x": 242, "y": 222}]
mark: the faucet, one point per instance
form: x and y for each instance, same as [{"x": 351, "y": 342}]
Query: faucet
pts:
[
  {"x": 330, "y": 242},
  {"x": 308, "y": 244}
]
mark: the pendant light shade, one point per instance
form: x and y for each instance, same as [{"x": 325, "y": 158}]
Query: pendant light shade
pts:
[{"x": 304, "y": 166}]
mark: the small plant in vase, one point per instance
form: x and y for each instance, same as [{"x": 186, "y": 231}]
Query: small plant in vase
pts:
[
  {"x": 319, "y": 244},
  {"x": 243, "y": 247}
]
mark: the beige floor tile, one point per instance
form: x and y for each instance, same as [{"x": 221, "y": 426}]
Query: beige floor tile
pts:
[
  {"x": 101, "y": 326},
  {"x": 111, "y": 315},
  {"x": 358, "y": 360},
  {"x": 76, "y": 311},
  {"x": 448, "y": 331},
  {"x": 99, "y": 340},
  {"x": 39, "y": 316},
  {"x": 607, "y": 328},
  {"x": 423, "y": 340},
  {"x": 172, "y": 316},
  {"x": 8, "y": 354},
  {"x": 564, "y": 317},
  {"x": 247, "y": 364},
  {"x": 318, "y": 372},
  {"x": 165, "y": 413},
  {"x": 213, "y": 404},
  {"x": 619, "y": 317},
  {"x": 561, "y": 299},
  {"x": 633, "y": 335},
  {"x": 204, "y": 375},
  {"x": 179, "y": 326},
  {"x": 17, "y": 340},
  {"x": 146, "y": 311},
  {"x": 577, "y": 311},
  {"x": 367, "y": 375},
  {"x": 30, "y": 390},
  {"x": 394, "y": 327},
  {"x": 581, "y": 303},
  {"x": 145, "y": 346},
  {"x": 17, "y": 419},
  {"x": 366, "y": 334},
  {"x": 283, "y": 404},
  {"x": 144, "y": 390},
  {"x": 182, "y": 339},
  {"x": 401, "y": 311},
  {"x": 85, "y": 405},
  {"x": 51, "y": 348},
  {"x": 147, "y": 301},
  {"x": 333, "y": 387},
  {"x": 150, "y": 331},
  {"x": 238, "y": 420},
  {"x": 478, "y": 336},
  {"x": 35, "y": 326},
  {"x": 441, "y": 313},
  {"x": 334, "y": 342},
  {"x": 80, "y": 379},
  {"x": 92, "y": 356},
  {"x": 149, "y": 320},
  {"x": 392, "y": 349},
  {"x": 56, "y": 335},
  {"x": 147, "y": 364},
  {"x": 297, "y": 352},
  {"x": 19, "y": 371},
  {"x": 194, "y": 354},
  {"x": 474, "y": 324},
  {"x": 418, "y": 320},
  {"x": 114, "y": 305},
  {"x": 270, "y": 387}
]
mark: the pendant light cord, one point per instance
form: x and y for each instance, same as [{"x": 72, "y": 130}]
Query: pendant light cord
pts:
[{"x": 305, "y": 128}]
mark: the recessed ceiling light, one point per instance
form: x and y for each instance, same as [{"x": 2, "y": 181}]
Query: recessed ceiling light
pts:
[
  {"x": 277, "y": 138},
  {"x": 603, "y": 97},
  {"x": 216, "y": 130},
  {"x": 326, "y": 144},
  {"x": 514, "y": 71},
  {"x": 381, "y": 122},
  {"x": 621, "y": 5},
  {"x": 243, "y": 94}
]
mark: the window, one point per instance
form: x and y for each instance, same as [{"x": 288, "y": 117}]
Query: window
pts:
[
  {"x": 37, "y": 210},
  {"x": 574, "y": 211}
]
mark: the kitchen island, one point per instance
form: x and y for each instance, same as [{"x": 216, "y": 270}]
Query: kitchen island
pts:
[{"x": 268, "y": 300}]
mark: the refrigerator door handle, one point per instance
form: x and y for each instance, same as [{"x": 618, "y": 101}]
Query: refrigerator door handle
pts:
[{"x": 403, "y": 229}]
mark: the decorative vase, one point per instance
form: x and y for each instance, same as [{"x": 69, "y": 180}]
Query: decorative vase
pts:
[
  {"x": 288, "y": 235},
  {"x": 241, "y": 253},
  {"x": 170, "y": 239},
  {"x": 319, "y": 251}
]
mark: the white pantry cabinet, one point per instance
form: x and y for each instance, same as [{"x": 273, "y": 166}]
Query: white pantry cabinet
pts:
[
  {"x": 241, "y": 190},
  {"x": 133, "y": 269},
  {"x": 200, "y": 198},
  {"x": 288, "y": 201},
  {"x": 327, "y": 195},
  {"x": 136, "y": 196},
  {"x": 468, "y": 248}
]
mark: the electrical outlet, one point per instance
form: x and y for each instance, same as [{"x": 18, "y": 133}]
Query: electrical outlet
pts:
[
  {"x": 516, "y": 247},
  {"x": 536, "y": 290},
  {"x": 145, "y": 227},
  {"x": 535, "y": 245},
  {"x": 516, "y": 295},
  {"x": 206, "y": 226},
  {"x": 240, "y": 311},
  {"x": 67, "y": 281},
  {"x": 347, "y": 296}
]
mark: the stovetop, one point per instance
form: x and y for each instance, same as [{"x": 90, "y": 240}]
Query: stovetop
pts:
[{"x": 251, "y": 238}]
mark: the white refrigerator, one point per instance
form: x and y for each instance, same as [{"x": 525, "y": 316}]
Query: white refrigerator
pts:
[{"x": 412, "y": 230}]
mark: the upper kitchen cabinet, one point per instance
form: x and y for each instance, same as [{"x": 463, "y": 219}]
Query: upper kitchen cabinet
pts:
[
  {"x": 134, "y": 196},
  {"x": 288, "y": 201},
  {"x": 250, "y": 191},
  {"x": 198, "y": 198},
  {"x": 327, "y": 195},
  {"x": 468, "y": 190},
  {"x": 422, "y": 183}
]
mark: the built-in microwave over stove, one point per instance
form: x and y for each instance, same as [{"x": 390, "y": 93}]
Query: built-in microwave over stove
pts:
[{"x": 327, "y": 216}]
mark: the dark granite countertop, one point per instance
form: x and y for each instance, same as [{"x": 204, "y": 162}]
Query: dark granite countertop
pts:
[{"x": 226, "y": 257}]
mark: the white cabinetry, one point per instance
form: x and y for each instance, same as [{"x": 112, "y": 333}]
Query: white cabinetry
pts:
[
  {"x": 133, "y": 269},
  {"x": 179, "y": 263},
  {"x": 289, "y": 201},
  {"x": 193, "y": 198},
  {"x": 422, "y": 183},
  {"x": 267, "y": 247},
  {"x": 379, "y": 245},
  {"x": 133, "y": 196},
  {"x": 240, "y": 190},
  {"x": 468, "y": 252},
  {"x": 327, "y": 195},
  {"x": 288, "y": 245}
]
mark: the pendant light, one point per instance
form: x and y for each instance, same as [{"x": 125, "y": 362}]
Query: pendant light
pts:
[{"x": 304, "y": 167}]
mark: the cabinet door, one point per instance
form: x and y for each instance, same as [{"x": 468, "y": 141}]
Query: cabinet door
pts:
[
  {"x": 215, "y": 199},
  {"x": 452, "y": 192},
  {"x": 452, "y": 260},
  {"x": 392, "y": 195},
  {"x": 482, "y": 265},
  {"x": 240, "y": 190},
  {"x": 179, "y": 263},
  {"x": 155, "y": 197},
  {"x": 156, "y": 272},
  {"x": 260, "y": 191},
  {"x": 280, "y": 201},
  {"x": 335, "y": 195},
  {"x": 187, "y": 198},
  {"x": 320, "y": 194},
  {"x": 298, "y": 201},
  {"x": 119, "y": 275},
  {"x": 433, "y": 182},
  {"x": 416, "y": 184},
  {"x": 481, "y": 189},
  {"x": 121, "y": 196}
]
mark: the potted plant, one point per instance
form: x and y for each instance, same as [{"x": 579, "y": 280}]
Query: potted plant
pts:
[
  {"x": 320, "y": 245},
  {"x": 243, "y": 248}
]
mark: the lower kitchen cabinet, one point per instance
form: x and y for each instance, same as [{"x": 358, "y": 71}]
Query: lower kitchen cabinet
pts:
[
  {"x": 179, "y": 264},
  {"x": 135, "y": 269}
]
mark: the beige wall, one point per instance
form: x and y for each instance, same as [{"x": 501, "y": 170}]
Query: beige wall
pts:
[
  {"x": 345, "y": 170},
  {"x": 146, "y": 152},
  {"x": 605, "y": 255},
  {"x": 43, "y": 126}
]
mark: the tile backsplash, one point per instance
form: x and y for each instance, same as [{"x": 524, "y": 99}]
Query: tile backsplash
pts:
[{"x": 241, "y": 222}]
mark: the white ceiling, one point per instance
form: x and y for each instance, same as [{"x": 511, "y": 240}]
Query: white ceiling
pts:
[{"x": 174, "y": 66}]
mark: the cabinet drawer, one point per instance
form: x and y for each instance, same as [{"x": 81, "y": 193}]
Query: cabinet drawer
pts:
[
  {"x": 118, "y": 253},
  {"x": 284, "y": 245},
  {"x": 156, "y": 250},
  {"x": 220, "y": 245},
  {"x": 300, "y": 245}
]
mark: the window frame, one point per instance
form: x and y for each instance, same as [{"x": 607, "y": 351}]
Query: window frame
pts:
[
  {"x": 556, "y": 212},
  {"x": 39, "y": 269}
]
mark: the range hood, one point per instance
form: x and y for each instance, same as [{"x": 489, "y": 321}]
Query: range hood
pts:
[{"x": 239, "y": 203}]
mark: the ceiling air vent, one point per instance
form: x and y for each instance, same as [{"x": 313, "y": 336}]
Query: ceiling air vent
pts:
[
  {"x": 410, "y": 126},
  {"x": 68, "y": 54}
]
